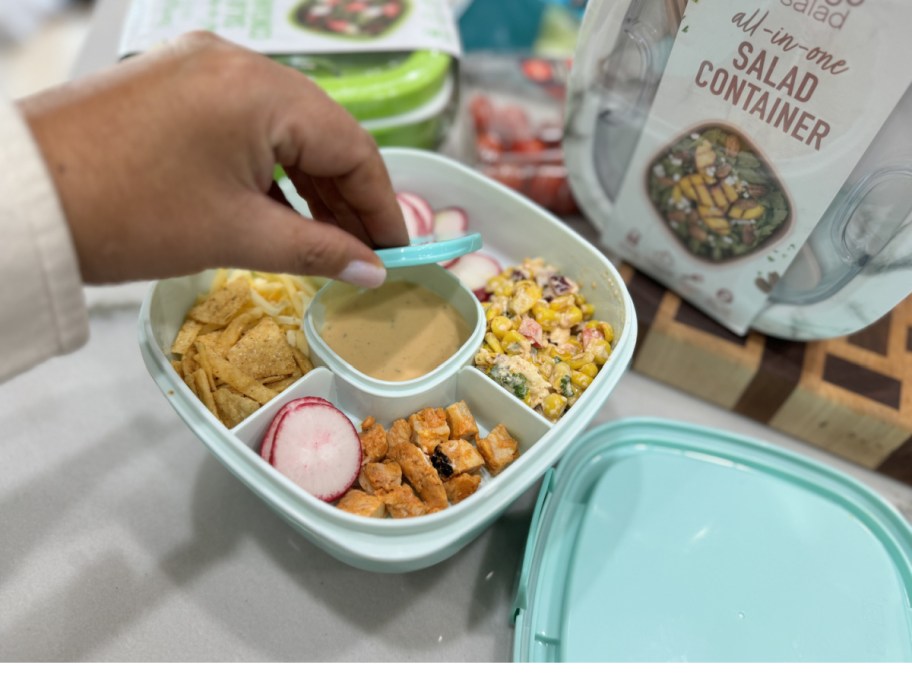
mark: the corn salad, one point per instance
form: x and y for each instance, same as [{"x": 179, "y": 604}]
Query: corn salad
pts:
[{"x": 541, "y": 343}]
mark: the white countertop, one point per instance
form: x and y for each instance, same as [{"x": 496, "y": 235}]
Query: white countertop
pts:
[{"x": 124, "y": 540}]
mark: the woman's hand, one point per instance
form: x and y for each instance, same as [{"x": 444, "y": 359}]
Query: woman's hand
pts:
[{"x": 164, "y": 165}]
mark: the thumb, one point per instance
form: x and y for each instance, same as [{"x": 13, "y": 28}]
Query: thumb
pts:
[{"x": 276, "y": 238}]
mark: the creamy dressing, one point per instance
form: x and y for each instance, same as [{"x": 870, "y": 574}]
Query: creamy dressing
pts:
[{"x": 397, "y": 332}]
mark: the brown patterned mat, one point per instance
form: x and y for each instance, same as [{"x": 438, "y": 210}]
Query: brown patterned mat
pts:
[{"x": 851, "y": 396}]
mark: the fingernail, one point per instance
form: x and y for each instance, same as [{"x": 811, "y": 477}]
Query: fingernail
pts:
[{"x": 363, "y": 274}]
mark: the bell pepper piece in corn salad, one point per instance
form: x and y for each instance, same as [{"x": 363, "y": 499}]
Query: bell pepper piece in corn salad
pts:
[{"x": 541, "y": 344}]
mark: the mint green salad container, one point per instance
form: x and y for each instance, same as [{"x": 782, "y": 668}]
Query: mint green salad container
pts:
[
  {"x": 405, "y": 99},
  {"x": 512, "y": 228},
  {"x": 655, "y": 541}
]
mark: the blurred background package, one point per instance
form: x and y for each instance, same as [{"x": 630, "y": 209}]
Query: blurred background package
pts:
[{"x": 392, "y": 63}]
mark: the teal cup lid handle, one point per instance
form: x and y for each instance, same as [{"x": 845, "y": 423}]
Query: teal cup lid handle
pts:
[{"x": 418, "y": 254}]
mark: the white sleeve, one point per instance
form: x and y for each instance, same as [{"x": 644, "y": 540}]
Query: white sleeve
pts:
[{"x": 42, "y": 307}]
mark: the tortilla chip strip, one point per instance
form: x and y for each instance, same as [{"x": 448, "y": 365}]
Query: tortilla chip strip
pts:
[
  {"x": 186, "y": 336},
  {"x": 263, "y": 351},
  {"x": 221, "y": 306},
  {"x": 303, "y": 362},
  {"x": 189, "y": 364},
  {"x": 231, "y": 334},
  {"x": 204, "y": 392},
  {"x": 204, "y": 359},
  {"x": 191, "y": 383},
  {"x": 233, "y": 407},
  {"x": 282, "y": 385},
  {"x": 239, "y": 380},
  {"x": 269, "y": 379}
]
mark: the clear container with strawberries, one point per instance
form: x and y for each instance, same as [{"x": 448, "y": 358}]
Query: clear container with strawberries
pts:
[{"x": 514, "y": 116}]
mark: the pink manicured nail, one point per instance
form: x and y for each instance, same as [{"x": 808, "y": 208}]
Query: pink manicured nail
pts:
[{"x": 363, "y": 274}]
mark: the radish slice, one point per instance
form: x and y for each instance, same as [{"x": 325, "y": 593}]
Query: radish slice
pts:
[
  {"x": 317, "y": 447},
  {"x": 450, "y": 223},
  {"x": 413, "y": 221},
  {"x": 266, "y": 445},
  {"x": 475, "y": 269},
  {"x": 422, "y": 207}
]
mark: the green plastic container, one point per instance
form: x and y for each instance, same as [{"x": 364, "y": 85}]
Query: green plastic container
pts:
[
  {"x": 655, "y": 541},
  {"x": 405, "y": 99}
]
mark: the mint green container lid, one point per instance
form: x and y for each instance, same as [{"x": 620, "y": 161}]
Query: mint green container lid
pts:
[
  {"x": 655, "y": 541},
  {"x": 376, "y": 85}
]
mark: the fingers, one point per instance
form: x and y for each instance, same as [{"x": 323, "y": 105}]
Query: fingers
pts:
[
  {"x": 205, "y": 123},
  {"x": 314, "y": 137},
  {"x": 277, "y": 239},
  {"x": 368, "y": 190},
  {"x": 339, "y": 212},
  {"x": 326, "y": 204}
]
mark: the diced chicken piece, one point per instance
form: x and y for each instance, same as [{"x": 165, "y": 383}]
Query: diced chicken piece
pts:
[
  {"x": 418, "y": 470},
  {"x": 400, "y": 432},
  {"x": 360, "y": 503},
  {"x": 374, "y": 445},
  {"x": 380, "y": 477},
  {"x": 455, "y": 457},
  {"x": 498, "y": 449},
  {"x": 461, "y": 487},
  {"x": 403, "y": 503},
  {"x": 429, "y": 428},
  {"x": 461, "y": 421}
]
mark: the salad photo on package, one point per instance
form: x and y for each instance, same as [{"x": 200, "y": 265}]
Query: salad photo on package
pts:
[
  {"x": 717, "y": 195},
  {"x": 350, "y": 18}
]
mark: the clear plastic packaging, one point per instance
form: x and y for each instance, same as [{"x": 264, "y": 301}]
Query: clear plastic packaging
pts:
[
  {"x": 836, "y": 150},
  {"x": 514, "y": 115}
]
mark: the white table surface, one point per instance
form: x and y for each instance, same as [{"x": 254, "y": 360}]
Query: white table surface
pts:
[{"x": 122, "y": 539}]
